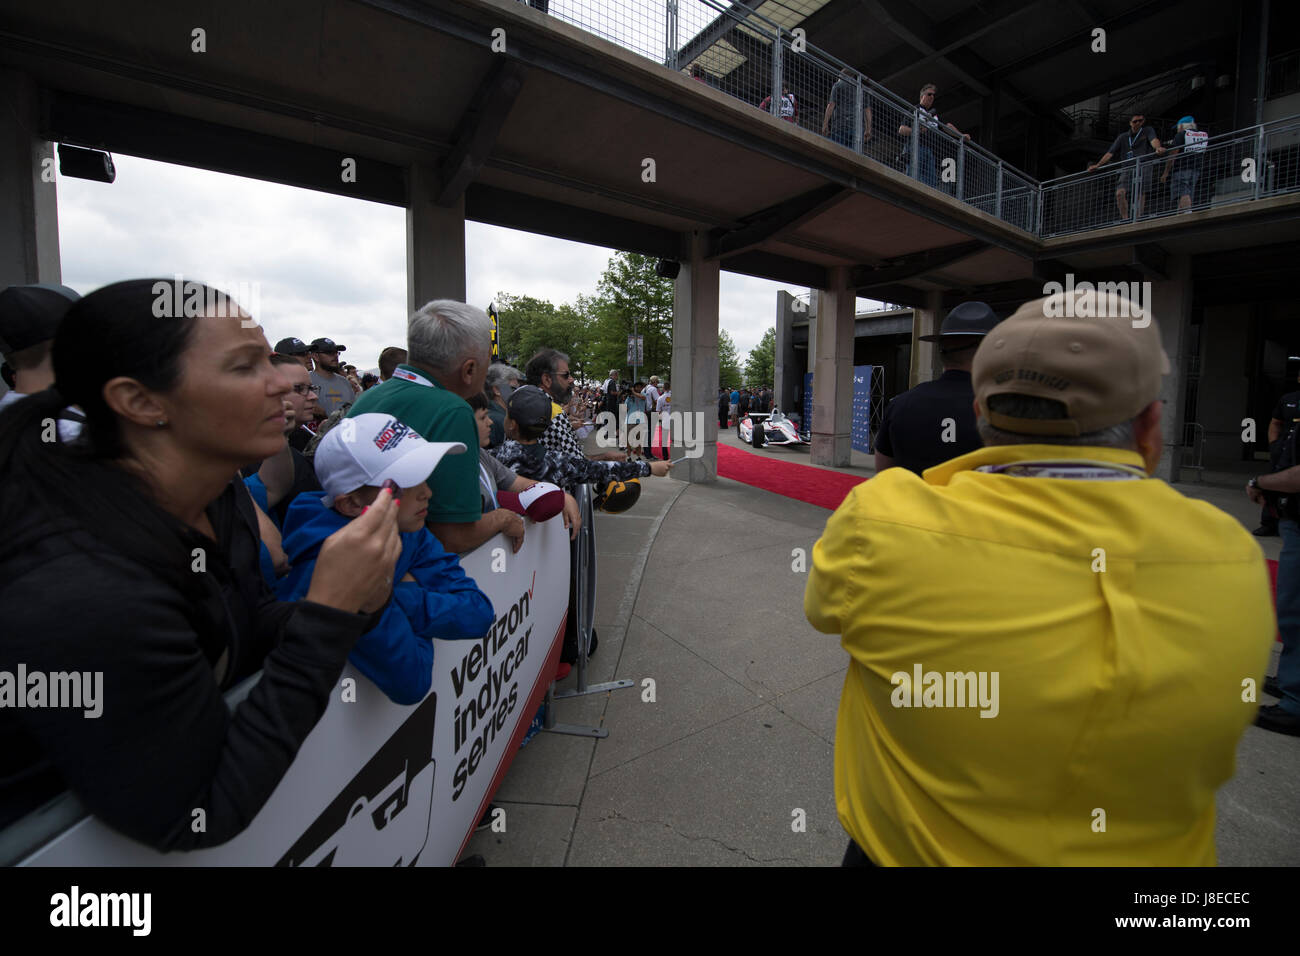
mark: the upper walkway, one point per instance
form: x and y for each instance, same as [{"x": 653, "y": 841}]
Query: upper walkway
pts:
[{"x": 496, "y": 112}]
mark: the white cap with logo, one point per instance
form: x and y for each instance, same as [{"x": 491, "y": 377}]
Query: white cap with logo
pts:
[{"x": 372, "y": 448}]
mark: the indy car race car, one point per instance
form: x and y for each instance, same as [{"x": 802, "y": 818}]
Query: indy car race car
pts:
[{"x": 776, "y": 430}]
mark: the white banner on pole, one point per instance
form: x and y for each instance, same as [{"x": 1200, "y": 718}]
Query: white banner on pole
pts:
[{"x": 380, "y": 784}]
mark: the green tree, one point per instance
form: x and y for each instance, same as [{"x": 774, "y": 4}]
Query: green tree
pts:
[
  {"x": 629, "y": 289},
  {"x": 728, "y": 361},
  {"x": 760, "y": 367},
  {"x": 528, "y": 325}
]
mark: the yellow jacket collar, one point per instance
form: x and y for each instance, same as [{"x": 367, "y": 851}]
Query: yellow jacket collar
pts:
[{"x": 1008, "y": 454}]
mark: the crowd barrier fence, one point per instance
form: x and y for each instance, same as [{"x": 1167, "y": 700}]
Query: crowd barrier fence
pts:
[{"x": 376, "y": 783}]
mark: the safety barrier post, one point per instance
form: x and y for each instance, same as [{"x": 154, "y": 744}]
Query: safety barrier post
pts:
[
  {"x": 774, "y": 106},
  {"x": 961, "y": 168},
  {"x": 1259, "y": 159},
  {"x": 585, "y": 571},
  {"x": 670, "y": 35},
  {"x": 859, "y": 145},
  {"x": 916, "y": 144}
]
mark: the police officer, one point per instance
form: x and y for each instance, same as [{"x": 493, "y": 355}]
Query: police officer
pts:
[{"x": 935, "y": 421}]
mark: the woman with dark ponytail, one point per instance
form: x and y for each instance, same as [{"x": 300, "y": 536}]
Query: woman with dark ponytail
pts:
[{"x": 132, "y": 553}]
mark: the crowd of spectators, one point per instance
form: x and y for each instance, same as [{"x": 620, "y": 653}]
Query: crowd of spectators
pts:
[
  {"x": 742, "y": 400},
  {"x": 211, "y": 490}
]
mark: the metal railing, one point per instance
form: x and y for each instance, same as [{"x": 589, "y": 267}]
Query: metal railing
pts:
[
  {"x": 1233, "y": 167},
  {"x": 732, "y": 48}
]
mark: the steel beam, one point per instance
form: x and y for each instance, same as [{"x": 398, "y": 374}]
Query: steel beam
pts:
[{"x": 479, "y": 128}]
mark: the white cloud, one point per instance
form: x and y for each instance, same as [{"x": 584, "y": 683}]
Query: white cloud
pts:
[{"x": 324, "y": 265}]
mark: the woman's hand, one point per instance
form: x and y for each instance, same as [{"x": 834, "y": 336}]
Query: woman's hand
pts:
[{"x": 354, "y": 571}]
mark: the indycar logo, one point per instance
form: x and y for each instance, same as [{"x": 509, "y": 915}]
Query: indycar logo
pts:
[{"x": 381, "y": 818}]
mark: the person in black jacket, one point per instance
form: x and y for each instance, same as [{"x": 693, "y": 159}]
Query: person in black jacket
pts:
[{"x": 130, "y": 553}]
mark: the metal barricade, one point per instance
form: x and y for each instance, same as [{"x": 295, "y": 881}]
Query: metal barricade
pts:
[{"x": 584, "y": 570}]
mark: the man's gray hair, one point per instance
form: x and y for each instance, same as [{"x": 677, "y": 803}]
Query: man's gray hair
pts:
[
  {"x": 1046, "y": 409},
  {"x": 500, "y": 373},
  {"x": 444, "y": 333}
]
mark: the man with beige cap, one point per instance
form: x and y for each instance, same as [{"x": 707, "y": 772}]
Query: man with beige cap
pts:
[{"x": 1053, "y": 654}]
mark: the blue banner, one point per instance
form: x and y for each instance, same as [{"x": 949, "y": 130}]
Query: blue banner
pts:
[{"x": 861, "y": 430}]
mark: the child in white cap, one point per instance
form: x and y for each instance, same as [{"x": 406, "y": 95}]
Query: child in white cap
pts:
[{"x": 432, "y": 596}]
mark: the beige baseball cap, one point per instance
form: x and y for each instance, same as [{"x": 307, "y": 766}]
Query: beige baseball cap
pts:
[{"x": 1099, "y": 354}]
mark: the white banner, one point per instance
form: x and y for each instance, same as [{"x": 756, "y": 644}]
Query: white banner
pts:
[{"x": 379, "y": 784}]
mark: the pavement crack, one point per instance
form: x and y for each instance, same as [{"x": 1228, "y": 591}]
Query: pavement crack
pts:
[{"x": 616, "y": 815}]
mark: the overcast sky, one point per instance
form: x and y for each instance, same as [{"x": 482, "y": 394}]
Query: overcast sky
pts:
[{"x": 321, "y": 265}]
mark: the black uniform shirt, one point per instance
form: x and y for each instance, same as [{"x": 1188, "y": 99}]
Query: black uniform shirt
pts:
[{"x": 913, "y": 429}]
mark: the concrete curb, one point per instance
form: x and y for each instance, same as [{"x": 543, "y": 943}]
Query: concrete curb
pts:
[{"x": 633, "y": 588}]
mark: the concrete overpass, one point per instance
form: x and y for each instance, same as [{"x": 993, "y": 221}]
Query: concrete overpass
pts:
[{"x": 490, "y": 111}]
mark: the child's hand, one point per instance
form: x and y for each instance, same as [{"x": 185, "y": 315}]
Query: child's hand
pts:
[
  {"x": 354, "y": 572},
  {"x": 572, "y": 516},
  {"x": 660, "y": 468}
]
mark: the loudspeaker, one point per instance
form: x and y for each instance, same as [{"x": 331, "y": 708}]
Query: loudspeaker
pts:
[
  {"x": 86, "y": 164},
  {"x": 667, "y": 268}
]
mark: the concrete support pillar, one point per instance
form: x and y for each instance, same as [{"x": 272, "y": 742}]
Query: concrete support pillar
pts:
[
  {"x": 435, "y": 243},
  {"x": 1171, "y": 303},
  {"x": 925, "y": 355},
  {"x": 787, "y": 377},
  {"x": 833, "y": 372},
  {"x": 29, "y": 211},
  {"x": 695, "y": 365}
]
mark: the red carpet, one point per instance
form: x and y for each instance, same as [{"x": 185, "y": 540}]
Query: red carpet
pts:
[{"x": 801, "y": 482}]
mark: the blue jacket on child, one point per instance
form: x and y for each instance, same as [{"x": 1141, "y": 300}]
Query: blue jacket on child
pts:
[{"x": 443, "y": 602}]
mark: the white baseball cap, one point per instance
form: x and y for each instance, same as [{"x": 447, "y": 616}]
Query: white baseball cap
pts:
[{"x": 370, "y": 449}]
